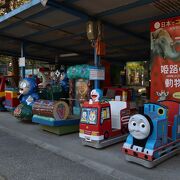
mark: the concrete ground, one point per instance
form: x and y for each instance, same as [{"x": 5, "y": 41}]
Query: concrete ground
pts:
[
  {"x": 109, "y": 161},
  {"x": 20, "y": 160}
]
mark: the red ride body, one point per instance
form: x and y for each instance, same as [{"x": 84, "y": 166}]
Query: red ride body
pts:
[{"x": 102, "y": 131}]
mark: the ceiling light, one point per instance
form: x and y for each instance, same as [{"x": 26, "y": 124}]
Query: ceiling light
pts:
[{"x": 69, "y": 55}]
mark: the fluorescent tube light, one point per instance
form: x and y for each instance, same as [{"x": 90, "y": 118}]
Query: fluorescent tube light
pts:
[{"x": 69, "y": 55}]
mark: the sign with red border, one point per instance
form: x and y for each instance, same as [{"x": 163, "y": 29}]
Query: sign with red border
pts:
[{"x": 165, "y": 59}]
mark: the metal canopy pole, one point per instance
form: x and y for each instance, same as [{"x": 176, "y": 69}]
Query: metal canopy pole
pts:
[
  {"x": 22, "y": 55},
  {"x": 96, "y": 63}
]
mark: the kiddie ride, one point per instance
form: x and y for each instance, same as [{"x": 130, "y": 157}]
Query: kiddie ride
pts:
[
  {"x": 154, "y": 136},
  {"x": 51, "y": 87},
  {"x": 28, "y": 95},
  {"x": 2, "y": 92},
  {"x": 54, "y": 117},
  {"x": 57, "y": 116},
  {"x": 8, "y": 93},
  {"x": 104, "y": 123}
]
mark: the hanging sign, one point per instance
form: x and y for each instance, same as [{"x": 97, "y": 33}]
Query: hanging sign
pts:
[
  {"x": 22, "y": 62},
  {"x": 97, "y": 74}
]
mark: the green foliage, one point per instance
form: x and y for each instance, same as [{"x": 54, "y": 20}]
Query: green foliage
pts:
[{"x": 8, "y": 5}]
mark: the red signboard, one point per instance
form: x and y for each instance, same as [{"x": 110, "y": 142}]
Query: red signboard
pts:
[{"x": 165, "y": 59}]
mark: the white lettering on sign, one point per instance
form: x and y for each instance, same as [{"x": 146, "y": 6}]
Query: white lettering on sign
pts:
[
  {"x": 170, "y": 69},
  {"x": 97, "y": 74},
  {"x": 164, "y": 24},
  {"x": 173, "y": 69},
  {"x": 170, "y": 83},
  {"x": 177, "y": 83},
  {"x": 164, "y": 69}
]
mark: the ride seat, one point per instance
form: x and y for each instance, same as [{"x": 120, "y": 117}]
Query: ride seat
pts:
[{"x": 173, "y": 109}]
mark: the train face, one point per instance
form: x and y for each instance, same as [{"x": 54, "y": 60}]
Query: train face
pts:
[
  {"x": 149, "y": 136},
  {"x": 139, "y": 127}
]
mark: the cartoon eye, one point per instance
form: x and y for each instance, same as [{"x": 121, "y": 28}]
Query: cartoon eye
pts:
[
  {"x": 160, "y": 111},
  {"x": 133, "y": 123},
  {"x": 23, "y": 84},
  {"x": 142, "y": 125}
]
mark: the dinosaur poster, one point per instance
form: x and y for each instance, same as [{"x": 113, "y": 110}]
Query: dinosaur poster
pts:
[{"x": 165, "y": 59}]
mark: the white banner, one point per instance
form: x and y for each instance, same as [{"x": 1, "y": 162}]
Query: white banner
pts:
[
  {"x": 97, "y": 74},
  {"x": 22, "y": 62}
]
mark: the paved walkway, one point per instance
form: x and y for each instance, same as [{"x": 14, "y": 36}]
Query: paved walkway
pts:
[
  {"x": 20, "y": 160},
  {"x": 109, "y": 161}
]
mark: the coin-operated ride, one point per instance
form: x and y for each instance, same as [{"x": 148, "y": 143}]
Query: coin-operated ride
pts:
[
  {"x": 79, "y": 86},
  {"x": 103, "y": 123},
  {"x": 43, "y": 76},
  {"x": 8, "y": 93},
  {"x": 11, "y": 94},
  {"x": 2, "y": 93},
  {"x": 55, "y": 88},
  {"x": 155, "y": 135},
  {"x": 54, "y": 117},
  {"x": 28, "y": 95},
  {"x": 53, "y": 114}
]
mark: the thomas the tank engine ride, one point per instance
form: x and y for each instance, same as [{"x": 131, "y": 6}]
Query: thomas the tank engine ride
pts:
[{"x": 154, "y": 136}]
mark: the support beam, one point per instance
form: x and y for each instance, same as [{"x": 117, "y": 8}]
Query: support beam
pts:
[
  {"x": 122, "y": 29},
  {"x": 71, "y": 1},
  {"x": 19, "y": 9},
  {"x": 154, "y": 18},
  {"x": 21, "y": 21},
  {"x": 127, "y": 7},
  {"x": 96, "y": 63},
  {"x": 43, "y": 45},
  {"x": 65, "y": 25},
  {"x": 66, "y": 38},
  {"x": 22, "y": 55},
  {"x": 83, "y": 15},
  {"x": 68, "y": 9},
  {"x": 15, "y": 54}
]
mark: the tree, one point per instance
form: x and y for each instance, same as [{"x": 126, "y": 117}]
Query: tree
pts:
[
  {"x": 8, "y": 5},
  {"x": 4, "y": 7}
]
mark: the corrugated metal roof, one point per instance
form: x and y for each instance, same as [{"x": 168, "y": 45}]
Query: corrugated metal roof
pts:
[{"x": 60, "y": 27}]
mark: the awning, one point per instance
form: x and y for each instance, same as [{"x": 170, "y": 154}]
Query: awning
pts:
[{"x": 58, "y": 30}]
